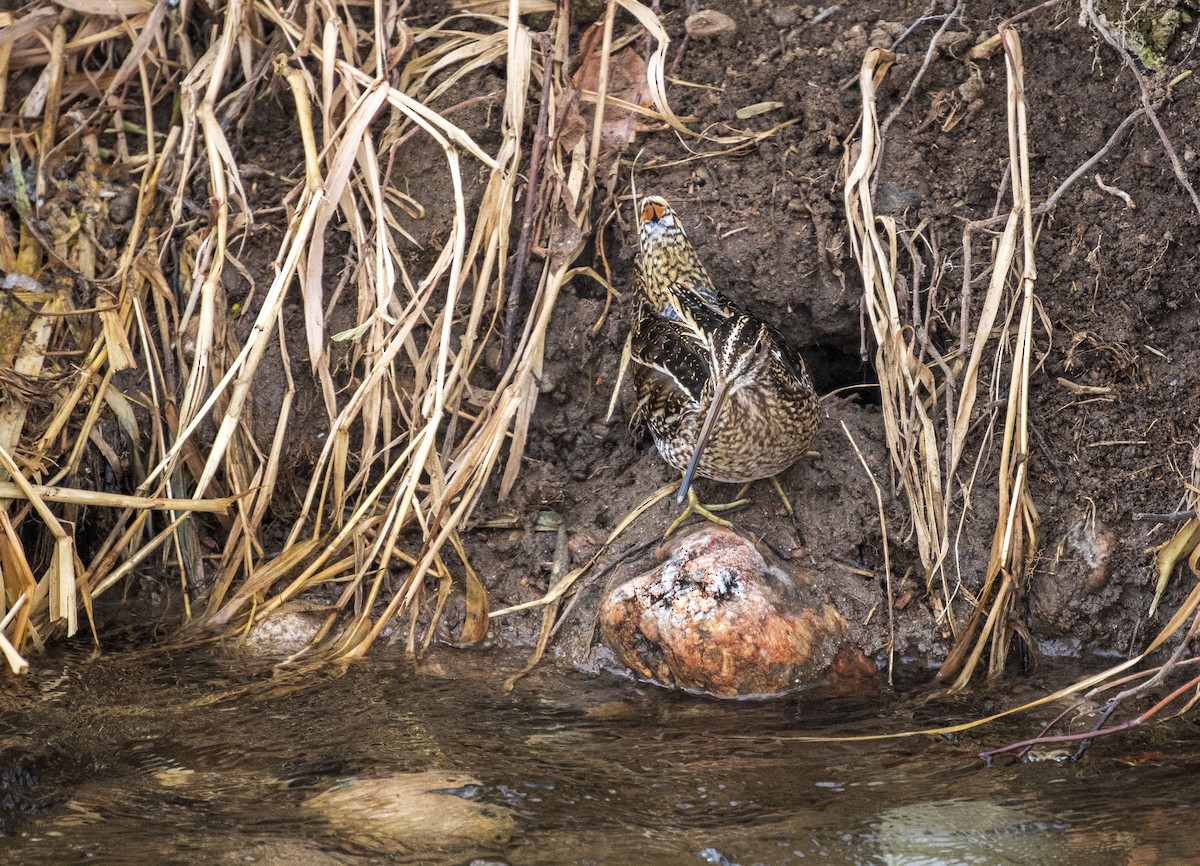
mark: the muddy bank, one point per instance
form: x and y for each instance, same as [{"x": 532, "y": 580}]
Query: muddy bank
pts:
[{"x": 1114, "y": 392}]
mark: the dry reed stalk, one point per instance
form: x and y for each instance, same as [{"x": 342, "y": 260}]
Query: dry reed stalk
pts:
[
  {"x": 16, "y": 663},
  {"x": 1089, "y": 686},
  {"x": 10, "y": 490},
  {"x": 458, "y": 481},
  {"x": 19, "y": 587},
  {"x": 917, "y": 390},
  {"x": 907, "y": 386},
  {"x": 57, "y": 244},
  {"x": 1015, "y": 538},
  {"x": 58, "y": 584}
]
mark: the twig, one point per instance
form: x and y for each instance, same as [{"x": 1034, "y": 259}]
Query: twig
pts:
[
  {"x": 908, "y": 31},
  {"x": 1044, "y": 207},
  {"x": 1168, "y": 517},
  {"x": 535, "y": 166},
  {"x": 1098, "y": 730},
  {"x": 1088, "y": 736},
  {"x": 1025, "y": 13},
  {"x": 912, "y": 88},
  {"x": 674, "y": 68},
  {"x": 1109, "y": 37}
]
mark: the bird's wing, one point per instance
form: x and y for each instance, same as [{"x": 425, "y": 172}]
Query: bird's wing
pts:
[
  {"x": 672, "y": 350},
  {"x": 671, "y": 368}
]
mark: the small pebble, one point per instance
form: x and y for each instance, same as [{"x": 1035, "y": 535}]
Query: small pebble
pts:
[
  {"x": 785, "y": 16},
  {"x": 123, "y": 205},
  {"x": 710, "y": 24}
]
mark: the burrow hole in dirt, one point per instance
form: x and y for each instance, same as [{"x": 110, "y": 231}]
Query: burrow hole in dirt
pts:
[{"x": 835, "y": 369}]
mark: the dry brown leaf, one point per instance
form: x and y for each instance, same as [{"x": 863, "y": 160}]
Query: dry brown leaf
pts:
[{"x": 626, "y": 82}]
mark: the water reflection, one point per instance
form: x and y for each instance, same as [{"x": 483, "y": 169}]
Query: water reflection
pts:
[{"x": 160, "y": 760}]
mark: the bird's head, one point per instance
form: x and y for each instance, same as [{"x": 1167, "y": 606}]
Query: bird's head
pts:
[{"x": 656, "y": 220}]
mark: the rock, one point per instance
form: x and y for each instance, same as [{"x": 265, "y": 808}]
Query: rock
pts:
[
  {"x": 1067, "y": 591},
  {"x": 715, "y": 618},
  {"x": 891, "y": 198},
  {"x": 975, "y": 830},
  {"x": 1092, "y": 542},
  {"x": 123, "y": 205},
  {"x": 710, "y": 24},
  {"x": 286, "y": 630},
  {"x": 433, "y": 810},
  {"x": 293, "y": 626},
  {"x": 785, "y": 16},
  {"x": 884, "y": 33}
]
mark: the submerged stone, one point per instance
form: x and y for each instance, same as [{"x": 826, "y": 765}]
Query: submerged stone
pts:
[
  {"x": 414, "y": 811},
  {"x": 288, "y": 629},
  {"x": 715, "y": 617}
]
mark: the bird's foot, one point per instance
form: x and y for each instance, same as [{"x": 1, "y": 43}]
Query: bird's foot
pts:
[
  {"x": 787, "y": 507},
  {"x": 787, "y": 503},
  {"x": 708, "y": 512}
]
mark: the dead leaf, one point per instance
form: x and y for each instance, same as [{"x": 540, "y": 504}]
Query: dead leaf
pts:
[
  {"x": 757, "y": 109},
  {"x": 626, "y": 82}
]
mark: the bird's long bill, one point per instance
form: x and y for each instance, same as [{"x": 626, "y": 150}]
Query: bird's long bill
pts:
[{"x": 710, "y": 423}]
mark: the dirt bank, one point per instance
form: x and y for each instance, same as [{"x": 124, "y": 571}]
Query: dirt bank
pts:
[{"x": 1115, "y": 383}]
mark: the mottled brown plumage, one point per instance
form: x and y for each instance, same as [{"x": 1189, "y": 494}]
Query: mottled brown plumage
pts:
[{"x": 721, "y": 392}]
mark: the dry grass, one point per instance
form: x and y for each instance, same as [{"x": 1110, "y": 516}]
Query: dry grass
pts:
[
  {"x": 929, "y": 399},
  {"x": 144, "y": 102},
  {"x": 940, "y": 432}
]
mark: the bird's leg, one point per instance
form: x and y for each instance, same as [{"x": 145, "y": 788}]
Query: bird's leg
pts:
[
  {"x": 708, "y": 512},
  {"x": 787, "y": 503},
  {"x": 774, "y": 482}
]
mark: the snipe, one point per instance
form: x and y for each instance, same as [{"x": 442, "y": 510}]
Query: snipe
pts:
[{"x": 722, "y": 393}]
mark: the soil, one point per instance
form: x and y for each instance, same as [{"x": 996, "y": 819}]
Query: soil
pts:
[{"x": 1117, "y": 292}]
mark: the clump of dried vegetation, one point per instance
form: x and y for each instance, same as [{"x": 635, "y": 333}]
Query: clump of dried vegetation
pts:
[
  {"x": 124, "y": 208},
  {"x": 930, "y": 392}
]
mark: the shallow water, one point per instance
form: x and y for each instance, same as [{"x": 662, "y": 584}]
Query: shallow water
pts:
[{"x": 154, "y": 759}]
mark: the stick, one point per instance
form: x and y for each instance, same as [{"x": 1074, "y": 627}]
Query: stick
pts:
[
  {"x": 1103, "y": 29},
  {"x": 535, "y": 167},
  {"x": 73, "y": 496}
]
